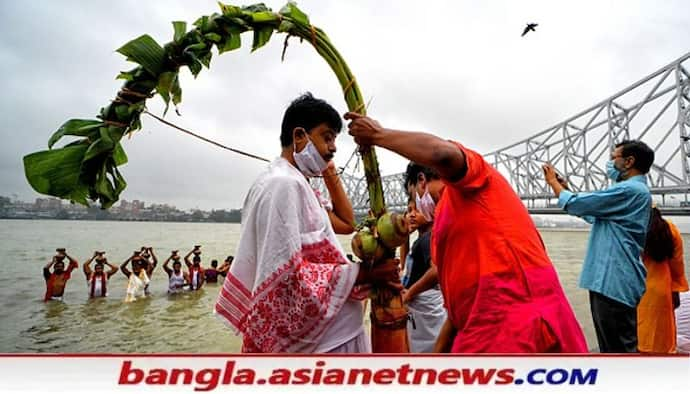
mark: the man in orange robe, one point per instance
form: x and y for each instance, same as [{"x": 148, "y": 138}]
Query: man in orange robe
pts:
[{"x": 500, "y": 289}]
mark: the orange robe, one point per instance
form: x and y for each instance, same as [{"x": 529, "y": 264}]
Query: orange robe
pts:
[
  {"x": 500, "y": 289},
  {"x": 656, "y": 323}
]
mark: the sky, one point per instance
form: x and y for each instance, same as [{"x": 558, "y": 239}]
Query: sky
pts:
[{"x": 457, "y": 69}]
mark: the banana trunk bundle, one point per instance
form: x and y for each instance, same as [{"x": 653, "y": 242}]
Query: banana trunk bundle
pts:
[{"x": 87, "y": 168}]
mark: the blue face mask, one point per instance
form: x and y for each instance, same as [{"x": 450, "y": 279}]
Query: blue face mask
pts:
[{"x": 612, "y": 172}]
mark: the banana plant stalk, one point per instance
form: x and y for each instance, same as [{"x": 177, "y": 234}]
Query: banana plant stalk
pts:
[{"x": 86, "y": 168}]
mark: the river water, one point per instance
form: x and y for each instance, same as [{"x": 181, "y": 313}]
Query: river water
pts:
[{"x": 160, "y": 323}]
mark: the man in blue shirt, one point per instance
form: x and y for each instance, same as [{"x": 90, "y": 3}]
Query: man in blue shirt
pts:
[{"x": 613, "y": 271}]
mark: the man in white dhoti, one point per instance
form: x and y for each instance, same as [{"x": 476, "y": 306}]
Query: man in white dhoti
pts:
[
  {"x": 290, "y": 287},
  {"x": 137, "y": 279}
]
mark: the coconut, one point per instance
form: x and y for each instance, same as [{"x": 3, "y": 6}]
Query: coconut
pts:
[
  {"x": 364, "y": 245},
  {"x": 391, "y": 229}
]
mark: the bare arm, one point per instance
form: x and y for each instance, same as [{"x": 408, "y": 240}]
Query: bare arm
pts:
[
  {"x": 165, "y": 266},
  {"x": 113, "y": 269},
  {"x": 46, "y": 269},
  {"x": 87, "y": 265},
  {"x": 52, "y": 261},
  {"x": 153, "y": 257},
  {"x": 444, "y": 341},
  {"x": 426, "y": 282},
  {"x": 123, "y": 267},
  {"x": 72, "y": 263},
  {"x": 342, "y": 217},
  {"x": 186, "y": 258},
  {"x": 426, "y": 149},
  {"x": 150, "y": 266},
  {"x": 339, "y": 225}
]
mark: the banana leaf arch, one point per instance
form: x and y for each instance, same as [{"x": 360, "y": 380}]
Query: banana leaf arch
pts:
[{"x": 87, "y": 168}]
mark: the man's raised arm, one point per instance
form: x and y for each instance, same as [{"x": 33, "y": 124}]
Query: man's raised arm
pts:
[
  {"x": 428, "y": 150},
  {"x": 87, "y": 265},
  {"x": 123, "y": 267},
  {"x": 342, "y": 216}
]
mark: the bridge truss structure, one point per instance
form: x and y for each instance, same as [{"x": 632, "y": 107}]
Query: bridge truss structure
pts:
[
  {"x": 394, "y": 191},
  {"x": 656, "y": 110}
]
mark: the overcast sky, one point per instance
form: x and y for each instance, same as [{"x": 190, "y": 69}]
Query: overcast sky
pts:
[{"x": 458, "y": 69}]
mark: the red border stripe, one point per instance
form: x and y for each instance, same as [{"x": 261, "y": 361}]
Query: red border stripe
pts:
[{"x": 367, "y": 355}]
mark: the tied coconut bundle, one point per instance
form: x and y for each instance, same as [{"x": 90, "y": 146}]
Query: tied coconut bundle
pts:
[
  {"x": 374, "y": 242},
  {"x": 86, "y": 168}
]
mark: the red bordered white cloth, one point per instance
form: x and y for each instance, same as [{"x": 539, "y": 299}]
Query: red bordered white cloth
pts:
[{"x": 290, "y": 278}]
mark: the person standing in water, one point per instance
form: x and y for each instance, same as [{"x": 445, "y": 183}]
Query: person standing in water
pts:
[
  {"x": 177, "y": 279},
  {"x": 196, "y": 272},
  {"x": 138, "y": 278},
  {"x": 57, "y": 280},
  {"x": 97, "y": 279},
  {"x": 151, "y": 262},
  {"x": 225, "y": 267},
  {"x": 211, "y": 274}
]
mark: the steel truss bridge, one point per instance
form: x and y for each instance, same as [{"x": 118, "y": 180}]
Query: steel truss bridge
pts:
[{"x": 656, "y": 110}]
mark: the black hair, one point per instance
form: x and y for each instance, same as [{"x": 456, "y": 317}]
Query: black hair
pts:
[
  {"x": 196, "y": 258},
  {"x": 307, "y": 112},
  {"x": 643, "y": 154},
  {"x": 413, "y": 170},
  {"x": 214, "y": 263},
  {"x": 230, "y": 258},
  {"x": 659, "y": 245}
]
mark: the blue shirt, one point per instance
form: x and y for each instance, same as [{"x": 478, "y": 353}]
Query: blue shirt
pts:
[{"x": 619, "y": 216}]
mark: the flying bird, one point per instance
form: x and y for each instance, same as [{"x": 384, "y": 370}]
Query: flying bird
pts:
[{"x": 528, "y": 28}]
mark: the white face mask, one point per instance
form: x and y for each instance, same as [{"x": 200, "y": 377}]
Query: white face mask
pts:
[
  {"x": 426, "y": 205},
  {"x": 309, "y": 160}
]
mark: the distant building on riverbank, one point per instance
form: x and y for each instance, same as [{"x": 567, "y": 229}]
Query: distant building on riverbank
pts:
[
  {"x": 140, "y": 211},
  {"x": 54, "y": 208}
]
